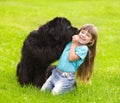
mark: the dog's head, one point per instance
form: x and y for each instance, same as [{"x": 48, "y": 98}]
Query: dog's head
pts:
[{"x": 60, "y": 28}]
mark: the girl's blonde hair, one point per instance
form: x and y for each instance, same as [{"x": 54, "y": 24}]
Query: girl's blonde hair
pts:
[{"x": 85, "y": 71}]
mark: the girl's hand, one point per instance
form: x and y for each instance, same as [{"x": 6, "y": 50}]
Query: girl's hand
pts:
[{"x": 75, "y": 39}]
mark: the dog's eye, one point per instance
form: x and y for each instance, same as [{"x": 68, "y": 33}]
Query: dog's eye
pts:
[{"x": 68, "y": 27}]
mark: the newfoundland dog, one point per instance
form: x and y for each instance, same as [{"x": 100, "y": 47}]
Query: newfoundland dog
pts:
[{"x": 41, "y": 48}]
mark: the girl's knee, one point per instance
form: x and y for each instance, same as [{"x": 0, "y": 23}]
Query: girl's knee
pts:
[{"x": 55, "y": 91}]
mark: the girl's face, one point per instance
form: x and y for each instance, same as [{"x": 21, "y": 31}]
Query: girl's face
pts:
[{"x": 85, "y": 37}]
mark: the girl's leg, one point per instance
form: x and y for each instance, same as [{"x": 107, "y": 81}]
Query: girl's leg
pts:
[
  {"x": 57, "y": 89},
  {"x": 62, "y": 86},
  {"x": 48, "y": 85}
]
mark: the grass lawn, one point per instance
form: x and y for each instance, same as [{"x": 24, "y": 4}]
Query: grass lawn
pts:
[{"x": 19, "y": 17}]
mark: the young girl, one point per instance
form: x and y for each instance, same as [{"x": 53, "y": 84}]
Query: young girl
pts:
[{"x": 79, "y": 53}]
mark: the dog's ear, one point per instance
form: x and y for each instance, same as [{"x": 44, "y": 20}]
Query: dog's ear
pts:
[
  {"x": 56, "y": 37},
  {"x": 55, "y": 34}
]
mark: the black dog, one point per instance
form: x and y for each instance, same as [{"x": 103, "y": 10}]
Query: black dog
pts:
[{"x": 41, "y": 48}]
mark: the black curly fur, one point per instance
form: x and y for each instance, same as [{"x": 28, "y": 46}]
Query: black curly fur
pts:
[{"x": 41, "y": 48}]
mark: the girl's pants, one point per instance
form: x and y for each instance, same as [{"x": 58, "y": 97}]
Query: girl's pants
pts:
[{"x": 59, "y": 82}]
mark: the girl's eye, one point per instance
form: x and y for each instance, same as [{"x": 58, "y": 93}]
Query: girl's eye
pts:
[
  {"x": 83, "y": 32},
  {"x": 89, "y": 35}
]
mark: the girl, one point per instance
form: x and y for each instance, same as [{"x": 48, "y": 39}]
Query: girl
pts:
[{"x": 79, "y": 53}]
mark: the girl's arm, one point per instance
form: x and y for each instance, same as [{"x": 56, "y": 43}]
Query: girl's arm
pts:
[{"x": 72, "y": 55}]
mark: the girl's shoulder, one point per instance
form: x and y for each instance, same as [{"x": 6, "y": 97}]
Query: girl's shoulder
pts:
[
  {"x": 83, "y": 48},
  {"x": 82, "y": 51}
]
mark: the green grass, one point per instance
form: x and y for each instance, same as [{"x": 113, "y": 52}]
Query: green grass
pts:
[{"x": 19, "y": 17}]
